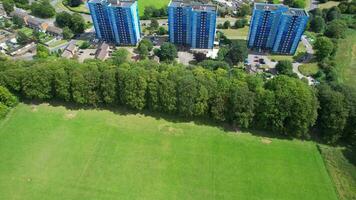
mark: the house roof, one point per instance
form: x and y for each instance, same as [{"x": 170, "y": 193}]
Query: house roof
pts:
[
  {"x": 54, "y": 29},
  {"x": 103, "y": 51}
]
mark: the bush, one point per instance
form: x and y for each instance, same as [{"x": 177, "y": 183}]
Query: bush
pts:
[{"x": 6, "y": 98}]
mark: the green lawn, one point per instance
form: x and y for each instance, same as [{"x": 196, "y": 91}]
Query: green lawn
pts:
[
  {"x": 156, "y": 3},
  {"x": 341, "y": 169},
  {"x": 54, "y": 153},
  {"x": 57, "y": 43},
  {"x": 300, "y": 50},
  {"x": 346, "y": 59},
  {"x": 27, "y": 31},
  {"x": 236, "y": 34},
  {"x": 309, "y": 69},
  {"x": 328, "y": 4}
]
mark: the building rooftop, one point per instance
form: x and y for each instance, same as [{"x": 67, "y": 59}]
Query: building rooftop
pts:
[
  {"x": 103, "y": 51},
  {"x": 285, "y": 9},
  {"x": 54, "y": 29},
  {"x": 296, "y": 12},
  {"x": 268, "y": 7},
  {"x": 118, "y": 3},
  {"x": 196, "y": 6},
  {"x": 19, "y": 13}
]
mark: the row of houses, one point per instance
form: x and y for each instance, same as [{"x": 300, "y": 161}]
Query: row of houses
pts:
[
  {"x": 102, "y": 52},
  {"x": 37, "y": 24}
]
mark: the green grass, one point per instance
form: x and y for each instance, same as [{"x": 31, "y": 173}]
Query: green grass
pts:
[
  {"x": 309, "y": 69},
  {"x": 54, "y": 153},
  {"x": 27, "y": 31},
  {"x": 236, "y": 34},
  {"x": 57, "y": 43},
  {"x": 346, "y": 59},
  {"x": 328, "y": 4},
  {"x": 342, "y": 171},
  {"x": 300, "y": 50},
  {"x": 156, "y": 3}
]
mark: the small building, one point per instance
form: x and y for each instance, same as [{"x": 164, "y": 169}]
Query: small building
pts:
[
  {"x": 103, "y": 51},
  {"x": 54, "y": 31},
  {"x": 36, "y": 24},
  {"x": 70, "y": 50}
]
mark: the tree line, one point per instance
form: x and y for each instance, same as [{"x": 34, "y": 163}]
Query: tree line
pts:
[{"x": 283, "y": 105}]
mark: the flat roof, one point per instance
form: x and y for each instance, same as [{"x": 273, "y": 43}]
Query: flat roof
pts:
[
  {"x": 285, "y": 9},
  {"x": 268, "y": 7},
  {"x": 196, "y": 6},
  {"x": 296, "y": 12},
  {"x": 118, "y": 3}
]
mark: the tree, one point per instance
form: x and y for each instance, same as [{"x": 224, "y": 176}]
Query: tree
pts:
[
  {"x": 64, "y": 19},
  {"x": 77, "y": 24},
  {"x": 134, "y": 89},
  {"x": 333, "y": 113},
  {"x": 8, "y": 6},
  {"x": 167, "y": 91},
  {"x": 85, "y": 85},
  {"x": 187, "y": 90},
  {"x": 237, "y": 53},
  {"x": 295, "y": 3},
  {"x": 37, "y": 83},
  {"x": 162, "y": 31},
  {"x": 317, "y": 24},
  {"x": 154, "y": 24},
  {"x": 285, "y": 67},
  {"x": 143, "y": 51},
  {"x": 147, "y": 43},
  {"x": 323, "y": 47},
  {"x": 24, "y": 4},
  {"x": 42, "y": 51},
  {"x": 120, "y": 56},
  {"x": 199, "y": 56},
  {"x": 61, "y": 84},
  {"x": 74, "y": 3},
  {"x": 168, "y": 52},
  {"x": 6, "y": 98},
  {"x": 144, "y": 48},
  {"x": 108, "y": 86},
  {"x": 240, "y": 23},
  {"x": 18, "y": 21},
  {"x": 67, "y": 33},
  {"x": 42, "y": 9},
  {"x": 244, "y": 10},
  {"x": 227, "y": 24},
  {"x": 336, "y": 29},
  {"x": 241, "y": 106},
  {"x": 22, "y": 38},
  {"x": 287, "y": 106},
  {"x": 333, "y": 13}
]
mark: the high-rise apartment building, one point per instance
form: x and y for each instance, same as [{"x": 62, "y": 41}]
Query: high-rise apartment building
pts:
[
  {"x": 192, "y": 24},
  {"x": 276, "y": 28},
  {"x": 116, "y": 21}
]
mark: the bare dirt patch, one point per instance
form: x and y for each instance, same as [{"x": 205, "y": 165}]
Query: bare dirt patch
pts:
[
  {"x": 70, "y": 115},
  {"x": 167, "y": 129},
  {"x": 34, "y": 108},
  {"x": 266, "y": 141}
]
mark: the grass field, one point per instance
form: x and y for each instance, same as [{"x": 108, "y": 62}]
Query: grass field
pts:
[
  {"x": 346, "y": 59},
  {"x": 342, "y": 170},
  {"x": 328, "y": 4},
  {"x": 236, "y": 34},
  {"x": 300, "y": 50},
  {"x": 54, "y": 153},
  {"x": 156, "y": 3},
  {"x": 309, "y": 69}
]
